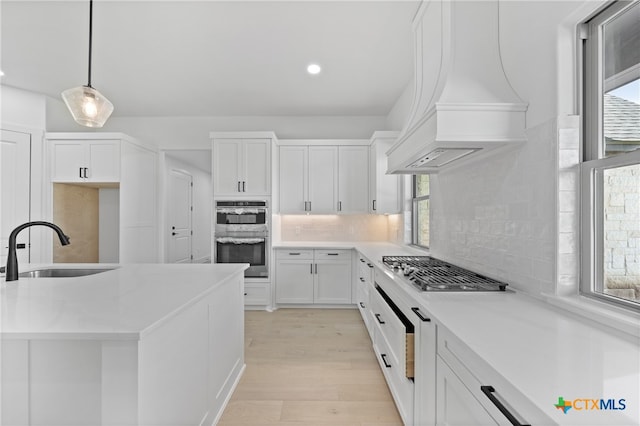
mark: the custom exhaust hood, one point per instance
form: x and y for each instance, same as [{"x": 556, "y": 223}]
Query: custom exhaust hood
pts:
[{"x": 463, "y": 103}]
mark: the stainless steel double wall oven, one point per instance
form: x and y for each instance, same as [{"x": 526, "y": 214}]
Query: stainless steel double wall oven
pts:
[{"x": 242, "y": 235}]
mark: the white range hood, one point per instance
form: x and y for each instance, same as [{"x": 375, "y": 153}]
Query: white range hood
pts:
[{"x": 463, "y": 103}]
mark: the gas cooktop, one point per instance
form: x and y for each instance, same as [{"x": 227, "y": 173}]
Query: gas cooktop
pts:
[{"x": 431, "y": 274}]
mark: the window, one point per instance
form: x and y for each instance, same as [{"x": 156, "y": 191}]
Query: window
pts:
[
  {"x": 420, "y": 210},
  {"x": 610, "y": 174}
]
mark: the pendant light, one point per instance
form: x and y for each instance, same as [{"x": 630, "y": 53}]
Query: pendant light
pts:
[{"x": 88, "y": 106}]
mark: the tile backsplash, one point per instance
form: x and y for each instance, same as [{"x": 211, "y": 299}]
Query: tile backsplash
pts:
[
  {"x": 363, "y": 227},
  {"x": 499, "y": 216}
]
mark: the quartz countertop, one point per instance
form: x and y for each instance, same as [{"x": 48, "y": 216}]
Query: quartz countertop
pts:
[
  {"x": 540, "y": 349},
  {"x": 123, "y": 303}
]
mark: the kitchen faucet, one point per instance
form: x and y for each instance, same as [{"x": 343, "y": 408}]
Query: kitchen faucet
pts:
[{"x": 12, "y": 259}]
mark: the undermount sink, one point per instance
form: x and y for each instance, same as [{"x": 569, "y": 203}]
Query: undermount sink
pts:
[{"x": 62, "y": 272}]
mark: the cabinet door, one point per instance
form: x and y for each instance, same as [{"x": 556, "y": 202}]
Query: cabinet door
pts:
[
  {"x": 332, "y": 281},
  {"x": 293, "y": 178},
  {"x": 67, "y": 159},
  {"x": 102, "y": 161},
  {"x": 323, "y": 179},
  {"x": 456, "y": 405},
  {"x": 386, "y": 190},
  {"x": 226, "y": 166},
  {"x": 256, "y": 173},
  {"x": 353, "y": 179},
  {"x": 294, "y": 281}
]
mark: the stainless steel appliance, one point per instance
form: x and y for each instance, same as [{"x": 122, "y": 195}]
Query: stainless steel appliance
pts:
[
  {"x": 430, "y": 274},
  {"x": 241, "y": 235}
]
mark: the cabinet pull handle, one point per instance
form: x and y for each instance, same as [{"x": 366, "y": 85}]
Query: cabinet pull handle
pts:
[
  {"x": 80, "y": 172},
  {"x": 362, "y": 305},
  {"x": 239, "y": 187},
  {"x": 316, "y": 268},
  {"x": 86, "y": 169},
  {"x": 294, "y": 254},
  {"x": 378, "y": 318},
  {"x": 311, "y": 270},
  {"x": 339, "y": 206},
  {"x": 422, "y": 317},
  {"x": 362, "y": 260},
  {"x": 333, "y": 254},
  {"x": 384, "y": 360},
  {"x": 374, "y": 205},
  {"x": 243, "y": 187},
  {"x": 309, "y": 205},
  {"x": 488, "y": 391},
  {"x": 361, "y": 279},
  {"x": 369, "y": 265}
]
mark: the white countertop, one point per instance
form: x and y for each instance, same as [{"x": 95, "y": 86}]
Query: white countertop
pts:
[
  {"x": 122, "y": 303},
  {"x": 542, "y": 351}
]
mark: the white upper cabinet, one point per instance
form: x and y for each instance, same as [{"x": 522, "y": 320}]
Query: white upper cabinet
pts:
[
  {"x": 385, "y": 190},
  {"x": 353, "y": 179},
  {"x": 322, "y": 178},
  {"x": 126, "y": 166},
  {"x": 85, "y": 161},
  {"x": 242, "y": 163},
  {"x": 293, "y": 176}
]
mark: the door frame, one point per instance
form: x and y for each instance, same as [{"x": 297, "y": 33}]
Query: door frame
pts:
[{"x": 41, "y": 195}]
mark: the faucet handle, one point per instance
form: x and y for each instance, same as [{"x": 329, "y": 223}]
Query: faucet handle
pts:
[{"x": 2, "y": 269}]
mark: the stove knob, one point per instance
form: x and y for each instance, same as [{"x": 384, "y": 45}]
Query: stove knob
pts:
[
  {"x": 408, "y": 270},
  {"x": 395, "y": 265}
]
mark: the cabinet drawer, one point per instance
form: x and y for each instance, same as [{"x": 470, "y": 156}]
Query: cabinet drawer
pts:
[
  {"x": 333, "y": 254},
  {"x": 294, "y": 254},
  {"x": 256, "y": 293},
  {"x": 401, "y": 387},
  {"x": 398, "y": 335}
]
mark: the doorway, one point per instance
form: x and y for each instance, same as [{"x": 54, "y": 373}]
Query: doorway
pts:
[
  {"x": 178, "y": 165},
  {"x": 180, "y": 203}
]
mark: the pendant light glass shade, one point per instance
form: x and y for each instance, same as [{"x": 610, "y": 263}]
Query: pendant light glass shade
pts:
[{"x": 87, "y": 106}]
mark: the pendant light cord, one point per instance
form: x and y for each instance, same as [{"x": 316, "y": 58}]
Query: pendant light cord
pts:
[{"x": 90, "y": 38}]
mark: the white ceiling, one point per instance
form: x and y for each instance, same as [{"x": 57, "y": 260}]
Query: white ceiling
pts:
[{"x": 205, "y": 58}]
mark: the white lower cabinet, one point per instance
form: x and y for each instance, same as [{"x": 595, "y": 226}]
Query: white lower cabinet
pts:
[
  {"x": 470, "y": 392},
  {"x": 257, "y": 294},
  {"x": 313, "y": 276},
  {"x": 364, "y": 285}
]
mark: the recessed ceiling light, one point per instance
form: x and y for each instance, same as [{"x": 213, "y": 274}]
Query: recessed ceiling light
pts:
[{"x": 314, "y": 69}]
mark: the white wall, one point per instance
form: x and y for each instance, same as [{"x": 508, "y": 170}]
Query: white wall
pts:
[
  {"x": 22, "y": 108},
  {"x": 193, "y": 132},
  {"x": 201, "y": 216}
]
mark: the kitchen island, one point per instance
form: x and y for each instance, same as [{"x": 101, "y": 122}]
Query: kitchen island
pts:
[{"x": 135, "y": 345}]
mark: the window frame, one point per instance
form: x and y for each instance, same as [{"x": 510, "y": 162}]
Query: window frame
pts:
[
  {"x": 594, "y": 163},
  {"x": 414, "y": 211}
]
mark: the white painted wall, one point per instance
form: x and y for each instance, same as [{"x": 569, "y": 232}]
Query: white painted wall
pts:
[
  {"x": 201, "y": 217},
  {"x": 22, "y": 108},
  {"x": 193, "y": 132}
]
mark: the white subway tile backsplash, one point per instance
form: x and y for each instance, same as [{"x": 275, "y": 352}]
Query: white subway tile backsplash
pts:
[
  {"x": 514, "y": 216},
  {"x": 336, "y": 227}
]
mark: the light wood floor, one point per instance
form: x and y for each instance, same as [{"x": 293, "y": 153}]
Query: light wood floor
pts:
[{"x": 310, "y": 367}]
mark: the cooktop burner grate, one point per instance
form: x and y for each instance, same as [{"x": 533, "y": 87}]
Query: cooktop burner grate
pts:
[{"x": 430, "y": 274}]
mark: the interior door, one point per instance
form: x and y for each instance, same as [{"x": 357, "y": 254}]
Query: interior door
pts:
[
  {"x": 179, "y": 201},
  {"x": 15, "y": 177}
]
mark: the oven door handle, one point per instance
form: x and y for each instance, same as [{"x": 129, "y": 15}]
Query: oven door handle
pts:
[{"x": 236, "y": 240}]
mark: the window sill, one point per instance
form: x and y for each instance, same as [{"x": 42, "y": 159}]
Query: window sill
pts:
[{"x": 610, "y": 316}]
